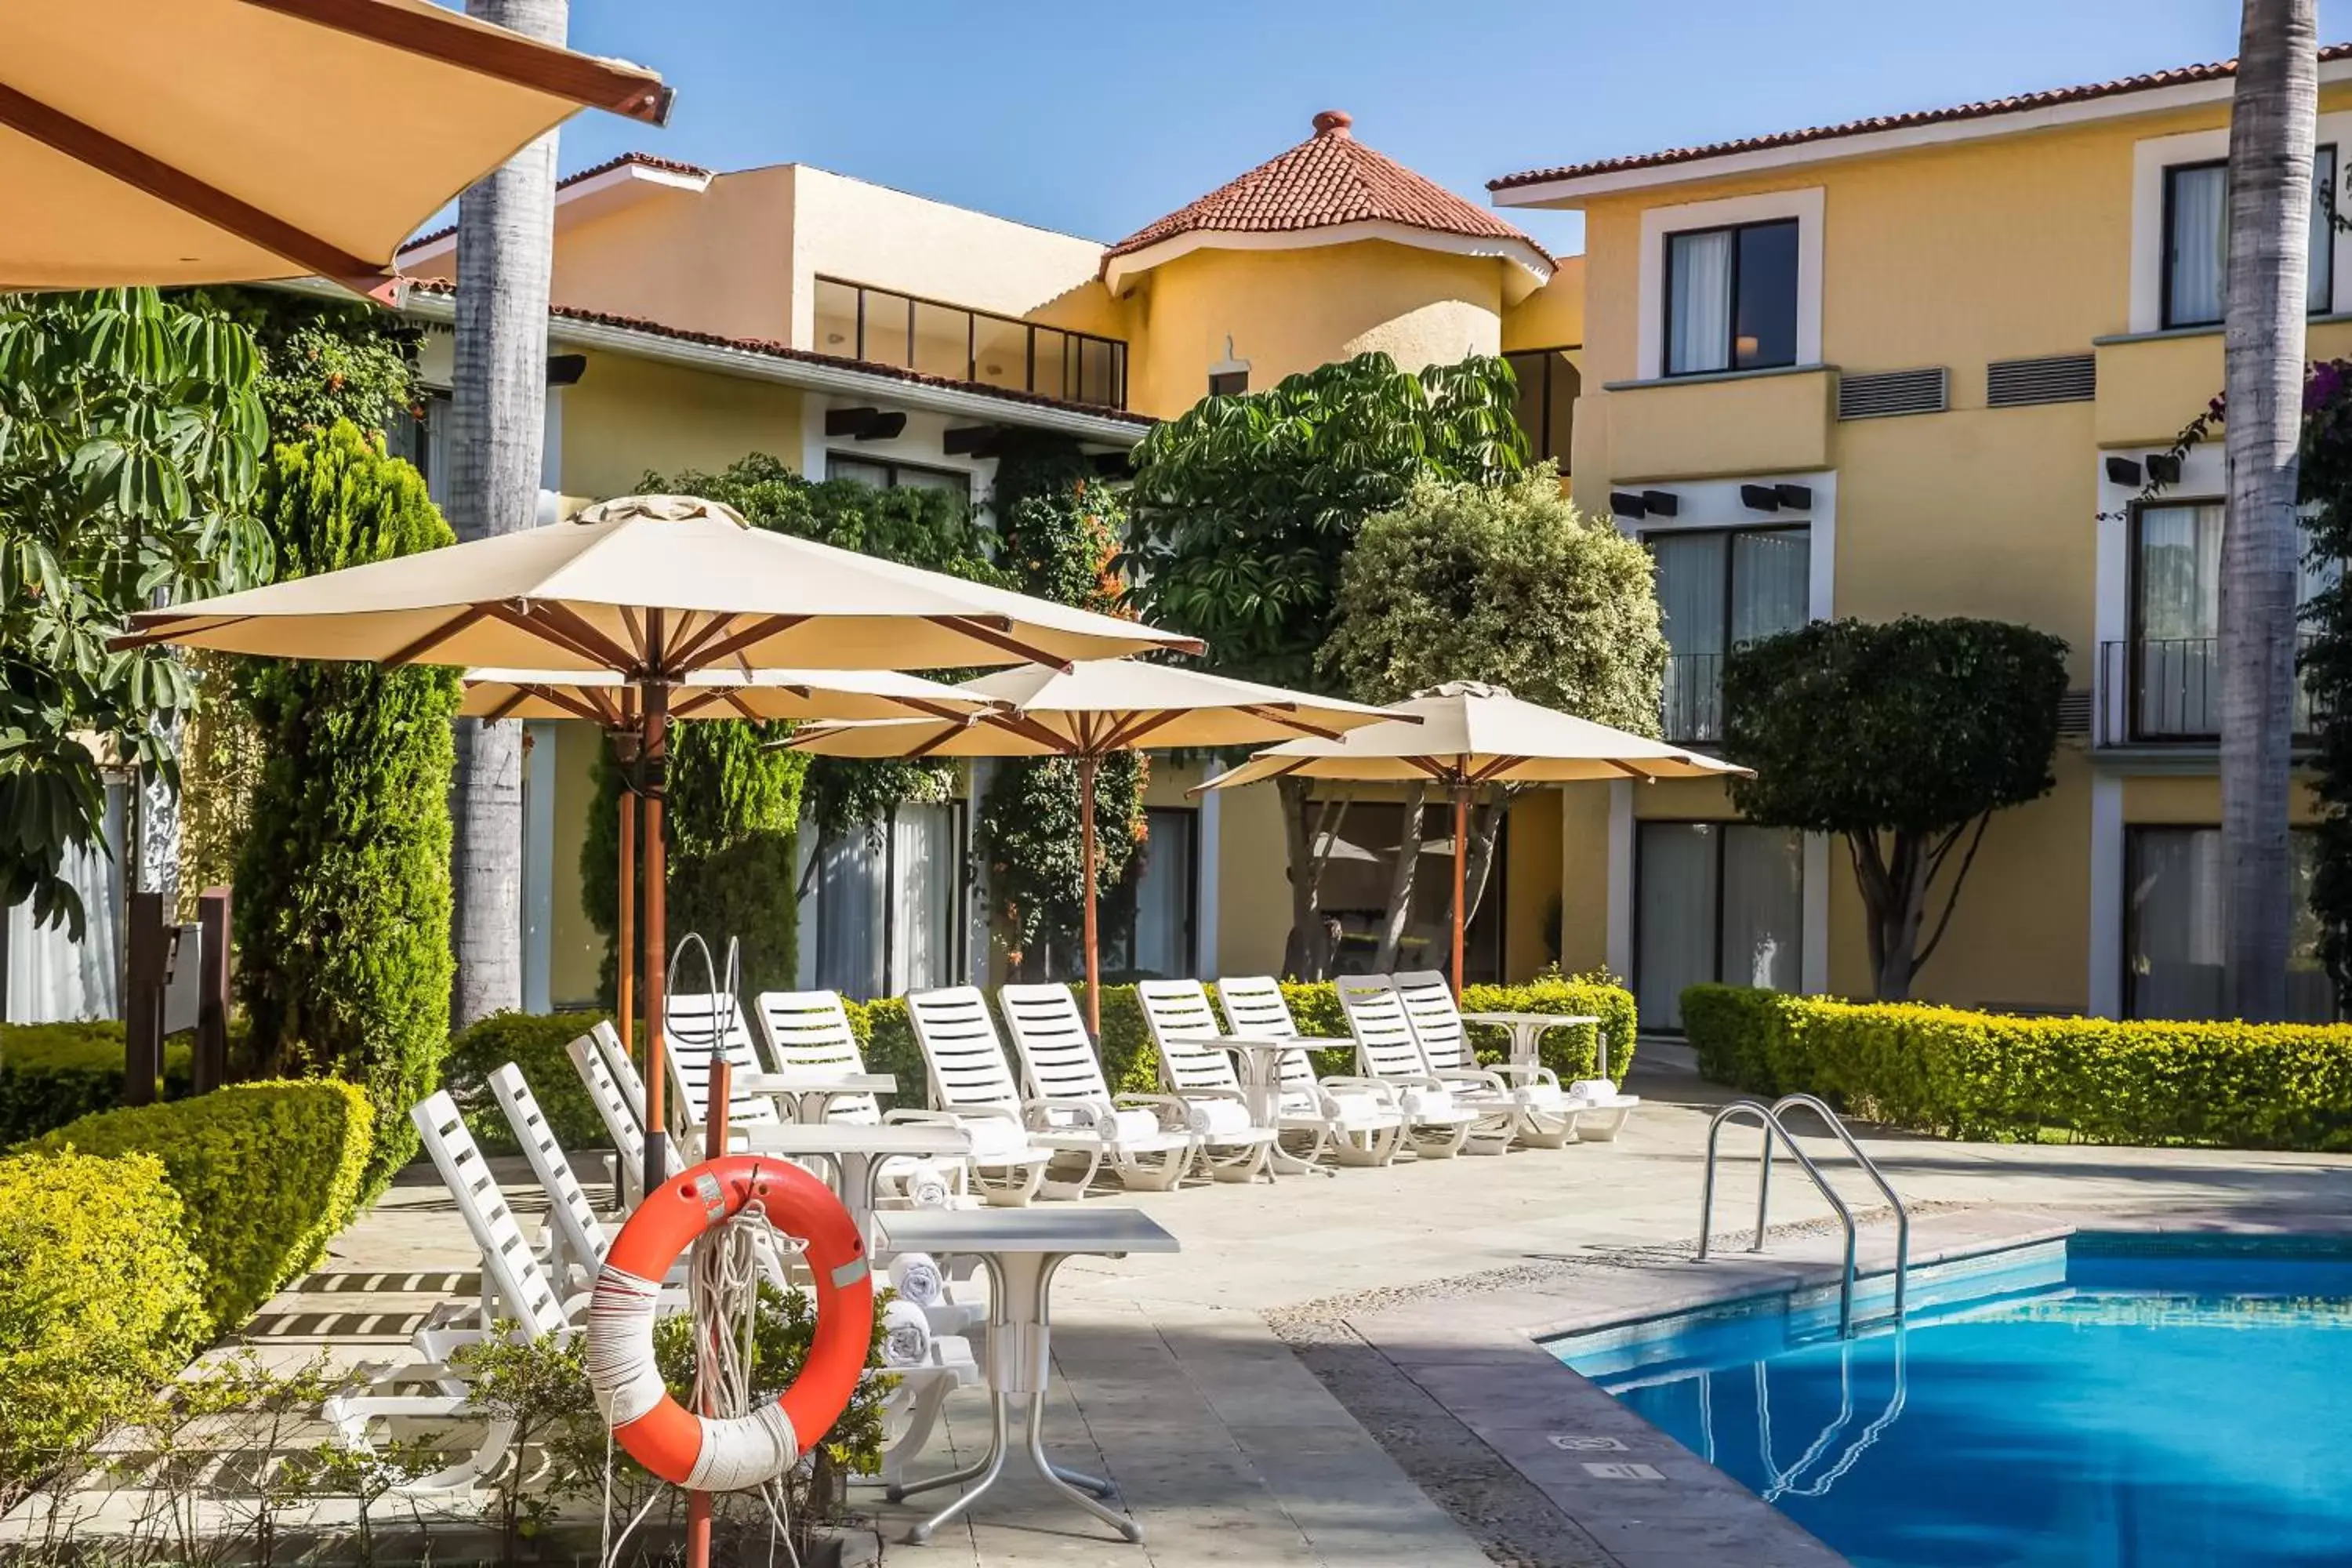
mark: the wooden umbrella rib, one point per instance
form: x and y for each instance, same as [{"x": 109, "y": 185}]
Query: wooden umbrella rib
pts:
[
  {"x": 1022, "y": 724},
  {"x": 439, "y": 635},
  {"x": 1431, "y": 766},
  {"x": 554, "y": 615},
  {"x": 521, "y": 695},
  {"x": 554, "y": 636},
  {"x": 554, "y": 697},
  {"x": 1004, "y": 642},
  {"x": 1290, "y": 722},
  {"x": 637, "y": 629},
  {"x": 1137, "y": 725},
  {"x": 166, "y": 630},
  {"x": 710, "y": 628},
  {"x": 504, "y": 57},
  {"x": 758, "y": 632},
  {"x": 947, "y": 732},
  {"x": 734, "y": 699},
  {"x": 177, "y": 188},
  {"x": 1499, "y": 766}
]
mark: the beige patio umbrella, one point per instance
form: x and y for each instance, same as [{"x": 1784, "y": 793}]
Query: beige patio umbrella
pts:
[
  {"x": 1464, "y": 734},
  {"x": 607, "y": 699},
  {"x": 655, "y": 588},
  {"x": 1088, "y": 712},
  {"x": 175, "y": 142}
]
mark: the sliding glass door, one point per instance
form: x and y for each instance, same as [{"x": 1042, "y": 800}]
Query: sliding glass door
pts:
[
  {"x": 883, "y": 913},
  {"x": 1714, "y": 901}
]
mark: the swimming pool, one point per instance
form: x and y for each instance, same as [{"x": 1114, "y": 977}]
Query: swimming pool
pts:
[{"x": 2106, "y": 1402}]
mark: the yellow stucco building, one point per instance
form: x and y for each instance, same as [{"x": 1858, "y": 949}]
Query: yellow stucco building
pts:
[{"x": 1914, "y": 364}]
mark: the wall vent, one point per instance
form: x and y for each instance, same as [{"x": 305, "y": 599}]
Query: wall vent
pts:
[
  {"x": 2057, "y": 378},
  {"x": 2075, "y": 711},
  {"x": 1887, "y": 392}
]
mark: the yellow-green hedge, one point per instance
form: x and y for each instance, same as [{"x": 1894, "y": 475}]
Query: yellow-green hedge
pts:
[
  {"x": 101, "y": 1299},
  {"x": 52, "y": 1073},
  {"x": 267, "y": 1173},
  {"x": 536, "y": 1043},
  {"x": 1984, "y": 1074}
]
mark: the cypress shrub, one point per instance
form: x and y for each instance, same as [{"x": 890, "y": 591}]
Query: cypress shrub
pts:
[
  {"x": 536, "y": 1043},
  {"x": 267, "y": 1174},
  {"x": 342, "y": 890}
]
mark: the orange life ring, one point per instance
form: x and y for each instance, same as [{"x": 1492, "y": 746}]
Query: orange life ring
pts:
[{"x": 714, "y": 1454}]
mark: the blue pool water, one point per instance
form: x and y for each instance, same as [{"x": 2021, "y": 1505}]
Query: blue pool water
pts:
[{"x": 2107, "y": 1404}]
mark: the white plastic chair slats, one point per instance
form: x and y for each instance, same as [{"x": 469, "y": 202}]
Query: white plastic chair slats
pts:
[
  {"x": 1177, "y": 1013},
  {"x": 569, "y": 1211},
  {"x": 1255, "y": 1007},
  {"x": 624, "y": 1070},
  {"x": 1436, "y": 1022},
  {"x": 516, "y": 1283},
  {"x": 960, "y": 1050},
  {"x": 699, "y": 1027},
  {"x": 808, "y": 1031},
  {"x": 1050, "y": 1037},
  {"x": 1376, "y": 1016}
]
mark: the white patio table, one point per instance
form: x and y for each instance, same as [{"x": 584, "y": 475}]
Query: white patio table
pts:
[
  {"x": 1259, "y": 1059},
  {"x": 1022, "y": 1250},
  {"x": 812, "y": 1093},
  {"x": 1527, "y": 1031},
  {"x": 856, "y": 1151}
]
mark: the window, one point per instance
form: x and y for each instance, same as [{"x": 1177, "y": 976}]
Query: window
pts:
[
  {"x": 887, "y": 476},
  {"x": 2197, "y": 239},
  {"x": 1360, "y": 871},
  {"x": 2175, "y": 607},
  {"x": 1548, "y": 384},
  {"x": 423, "y": 439},
  {"x": 1731, "y": 297},
  {"x": 881, "y": 911},
  {"x": 855, "y": 321},
  {"x": 1720, "y": 589},
  {"x": 1161, "y": 890},
  {"x": 2172, "y": 936},
  {"x": 1228, "y": 383},
  {"x": 1719, "y": 901}
]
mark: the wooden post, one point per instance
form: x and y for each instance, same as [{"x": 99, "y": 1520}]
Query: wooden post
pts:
[
  {"x": 1086, "y": 857},
  {"x": 211, "y": 1064},
  {"x": 714, "y": 1144},
  {"x": 142, "y": 999},
  {"x": 626, "y": 938},
  {"x": 655, "y": 783},
  {"x": 1461, "y": 873}
]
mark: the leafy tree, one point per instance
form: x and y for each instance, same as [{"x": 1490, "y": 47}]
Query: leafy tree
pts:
[
  {"x": 342, "y": 892},
  {"x": 1245, "y": 507},
  {"x": 131, "y": 434},
  {"x": 1506, "y": 584},
  {"x": 733, "y": 807},
  {"x": 1905, "y": 738},
  {"x": 1058, "y": 526},
  {"x": 2325, "y": 479}
]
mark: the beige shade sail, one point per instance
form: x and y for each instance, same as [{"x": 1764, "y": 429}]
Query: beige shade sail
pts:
[
  {"x": 1464, "y": 734},
  {"x": 176, "y": 141},
  {"x": 1097, "y": 707},
  {"x": 647, "y": 585},
  {"x": 606, "y": 698},
  {"x": 1471, "y": 733}
]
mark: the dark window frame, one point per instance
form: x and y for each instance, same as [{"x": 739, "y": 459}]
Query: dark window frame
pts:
[
  {"x": 1731, "y": 316},
  {"x": 896, "y": 466},
  {"x": 1722, "y": 847},
  {"x": 1238, "y": 378},
  {"x": 1073, "y": 351},
  {"x": 1730, "y": 532},
  {"x": 1192, "y": 813},
  {"x": 2164, "y": 260},
  {"x": 2125, "y": 1001},
  {"x": 1539, "y": 445}
]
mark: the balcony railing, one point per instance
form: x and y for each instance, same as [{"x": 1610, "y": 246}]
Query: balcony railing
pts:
[
  {"x": 2168, "y": 692},
  {"x": 1693, "y": 698},
  {"x": 855, "y": 321}
]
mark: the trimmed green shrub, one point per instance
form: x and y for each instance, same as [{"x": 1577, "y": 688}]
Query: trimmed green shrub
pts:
[
  {"x": 99, "y": 1299},
  {"x": 1985, "y": 1075},
  {"x": 268, "y": 1174},
  {"x": 534, "y": 1042},
  {"x": 52, "y": 1073},
  {"x": 342, "y": 893}
]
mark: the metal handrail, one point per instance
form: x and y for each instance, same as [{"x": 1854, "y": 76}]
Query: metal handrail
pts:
[
  {"x": 1836, "y": 1125},
  {"x": 1765, "y": 1118}
]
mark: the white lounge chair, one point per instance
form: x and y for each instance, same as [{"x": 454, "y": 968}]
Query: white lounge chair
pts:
[
  {"x": 1357, "y": 1119},
  {"x": 1441, "y": 1119},
  {"x": 972, "y": 1081},
  {"x": 809, "y": 1032},
  {"x": 1147, "y": 1140},
  {"x": 700, "y": 1028},
  {"x": 1547, "y": 1116},
  {"x": 1236, "y": 1144},
  {"x": 572, "y": 1245},
  {"x": 620, "y": 1104}
]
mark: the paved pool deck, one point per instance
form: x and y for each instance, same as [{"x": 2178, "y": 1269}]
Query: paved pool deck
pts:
[{"x": 1340, "y": 1370}]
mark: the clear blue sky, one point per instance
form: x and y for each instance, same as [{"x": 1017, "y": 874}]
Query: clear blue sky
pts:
[{"x": 1097, "y": 119}]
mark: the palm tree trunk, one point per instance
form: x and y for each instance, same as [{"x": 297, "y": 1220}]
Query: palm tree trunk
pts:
[
  {"x": 498, "y": 410},
  {"x": 2273, "y": 115}
]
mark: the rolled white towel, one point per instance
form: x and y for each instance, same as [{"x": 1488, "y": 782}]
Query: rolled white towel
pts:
[
  {"x": 917, "y": 1277},
  {"x": 1217, "y": 1118},
  {"x": 928, "y": 1186},
  {"x": 906, "y": 1336}
]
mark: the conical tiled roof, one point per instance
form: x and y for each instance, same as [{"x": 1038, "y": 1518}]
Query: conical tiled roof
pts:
[{"x": 1327, "y": 180}]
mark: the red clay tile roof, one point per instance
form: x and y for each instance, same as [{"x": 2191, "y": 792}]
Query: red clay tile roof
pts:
[
  {"x": 641, "y": 160},
  {"x": 2180, "y": 77},
  {"x": 767, "y": 350},
  {"x": 1326, "y": 180}
]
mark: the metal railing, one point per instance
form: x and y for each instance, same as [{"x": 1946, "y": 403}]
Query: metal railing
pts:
[
  {"x": 2168, "y": 692},
  {"x": 1768, "y": 1117},
  {"x": 883, "y": 326}
]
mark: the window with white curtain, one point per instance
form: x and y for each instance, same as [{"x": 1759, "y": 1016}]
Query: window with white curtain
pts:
[
  {"x": 46, "y": 977},
  {"x": 2172, "y": 938},
  {"x": 1720, "y": 589},
  {"x": 1731, "y": 297},
  {"x": 883, "y": 913},
  {"x": 1158, "y": 941},
  {"x": 2176, "y": 587},
  {"x": 1719, "y": 901},
  {"x": 2197, "y": 239}
]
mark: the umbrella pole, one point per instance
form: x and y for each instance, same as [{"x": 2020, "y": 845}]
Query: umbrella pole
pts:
[
  {"x": 1087, "y": 855},
  {"x": 1461, "y": 873},
  {"x": 628, "y": 914},
  {"x": 657, "y": 946}
]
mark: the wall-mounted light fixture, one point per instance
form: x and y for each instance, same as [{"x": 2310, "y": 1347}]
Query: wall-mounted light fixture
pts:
[
  {"x": 1760, "y": 498},
  {"x": 1796, "y": 498},
  {"x": 2164, "y": 468},
  {"x": 2124, "y": 471},
  {"x": 866, "y": 423},
  {"x": 1661, "y": 504},
  {"x": 565, "y": 370},
  {"x": 1628, "y": 504}
]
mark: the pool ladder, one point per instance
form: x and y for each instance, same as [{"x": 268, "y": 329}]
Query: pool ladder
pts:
[{"x": 1769, "y": 1119}]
